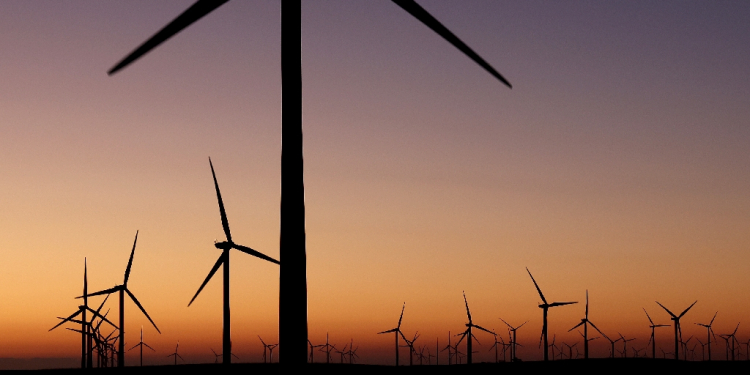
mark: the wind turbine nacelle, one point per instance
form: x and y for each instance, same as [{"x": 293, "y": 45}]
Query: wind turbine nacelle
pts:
[{"x": 223, "y": 245}]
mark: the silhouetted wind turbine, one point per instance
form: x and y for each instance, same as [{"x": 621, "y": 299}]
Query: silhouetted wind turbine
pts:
[
  {"x": 293, "y": 285},
  {"x": 468, "y": 335},
  {"x": 624, "y": 345},
  {"x": 585, "y": 322},
  {"x": 142, "y": 344},
  {"x": 175, "y": 354},
  {"x": 410, "y": 345},
  {"x": 652, "y": 340},
  {"x": 513, "y": 340},
  {"x": 327, "y": 349},
  {"x": 449, "y": 348},
  {"x": 677, "y": 331},
  {"x": 396, "y": 330},
  {"x": 312, "y": 347},
  {"x": 124, "y": 289},
  {"x": 85, "y": 331},
  {"x": 545, "y": 306},
  {"x": 733, "y": 338},
  {"x": 710, "y": 332},
  {"x": 223, "y": 260}
]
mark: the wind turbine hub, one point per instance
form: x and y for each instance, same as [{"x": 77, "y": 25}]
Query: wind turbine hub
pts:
[{"x": 223, "y": 245}]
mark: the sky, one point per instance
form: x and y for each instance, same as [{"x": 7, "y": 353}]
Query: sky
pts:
[{"x": 617, "y": 164}]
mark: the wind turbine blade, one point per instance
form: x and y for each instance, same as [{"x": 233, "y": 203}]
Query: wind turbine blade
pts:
[
  {"x": 421, "y": 14},
  {"x": 66, "y": 319},
  {"x": 524, "y": 323},
  {"x": 135, "y": 346},
  {"x": 96, "y": 313},
  {"x": 389, "y": 331},
  {"x": 250, "y": 251},
  {"x": 649, "y": 317},
  {"x": 506, "y": 323},
  {"x": 662, "y": 306},
  {"x": 577, "y": 325},
  {"x": 712, "y": 319},
  {"x": 468, "y": 314},
  {"x": 400, "y": 317},
  {"x": 553, "y": 304},
  {"x": 130, "y": 261},
  {"x": 587, "y": 304},
  {"x": 99, "y": 293},
  {"x": 135, "y": 300},
  {"x": 735, "y": 329},
  {"x": 537, "y": 286},
  {"x": 211, "y": 273},
  {"x": 483, "y": 329},
  {"x": 261, "y": 340},
  {"x": 689, "y": 307},
  {"x": 224, "y": 221},
  {"x": 192, "y": 14},
  {"x": 597, "y": 329},
  {"x": 149, "y": 346}
]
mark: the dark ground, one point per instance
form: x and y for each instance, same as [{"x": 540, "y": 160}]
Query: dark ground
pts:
[{"x": 640, "y": 365}]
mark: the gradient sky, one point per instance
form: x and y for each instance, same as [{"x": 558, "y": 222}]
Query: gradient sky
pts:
[{"x": 618, "y": 163}]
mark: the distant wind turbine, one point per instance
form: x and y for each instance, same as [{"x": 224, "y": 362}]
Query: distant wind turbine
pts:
[
  {"x": 468, "y": 335},
  {"x": 124, "y": 289},
  {"x": 175, "y": 354},
  {"x": 710, "y": 333},
  {"x": 292, "y": 278},
  {"x": 677, "y": 330},
  {"x": 224, "y": 261},
  {"x": 141, "y": 344},
  {"x": 396, "y": 330},
  {"x": 545, "y": 307},
  {"x": 652, "y": 340}
]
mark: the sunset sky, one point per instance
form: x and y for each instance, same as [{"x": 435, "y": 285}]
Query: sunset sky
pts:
[{"x": 618, "y": 163}]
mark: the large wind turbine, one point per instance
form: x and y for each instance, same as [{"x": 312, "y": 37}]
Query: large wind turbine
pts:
[
  {"x": 224, "y": 260},
  {"x": 545, "y": 306},
  {"x": 468, "y": 335},
  {"x": 396, "y": 330},
  {"x": 652, "y": 340},
  {"x": 124, "y": 289},
  {"x": 293, "y": 277},
  {"x": 677, "y": 330}
]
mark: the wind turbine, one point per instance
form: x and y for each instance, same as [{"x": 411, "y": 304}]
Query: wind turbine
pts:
[
  {"x": 513, "y": 340},
  {"x": 731, "y": 336},
  {"x": 545, "y": 307},
  {"x": 653, "y": 327},
  {"x": 124, "y": 289},
  {"x": 677, "y": 331},
  {"x": 396, "y": 330},
  {"x": 223, "y": 260},
  {"x": 585, "y": 323},
  {"x": 410, "y": 345},
  {"x": 85, "y": 331},
  {"x": 312, "y": 347},
  {"x": 142, "y": 344},
  {"x": 710, "y": 332},
  {"x": 468, "y": 335},
  {"x": 175, "y": 354},
  {"x": 624, "y": 345},
  {"x": 449, "y": 347},
  {"x": 293, "y": 284}
]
